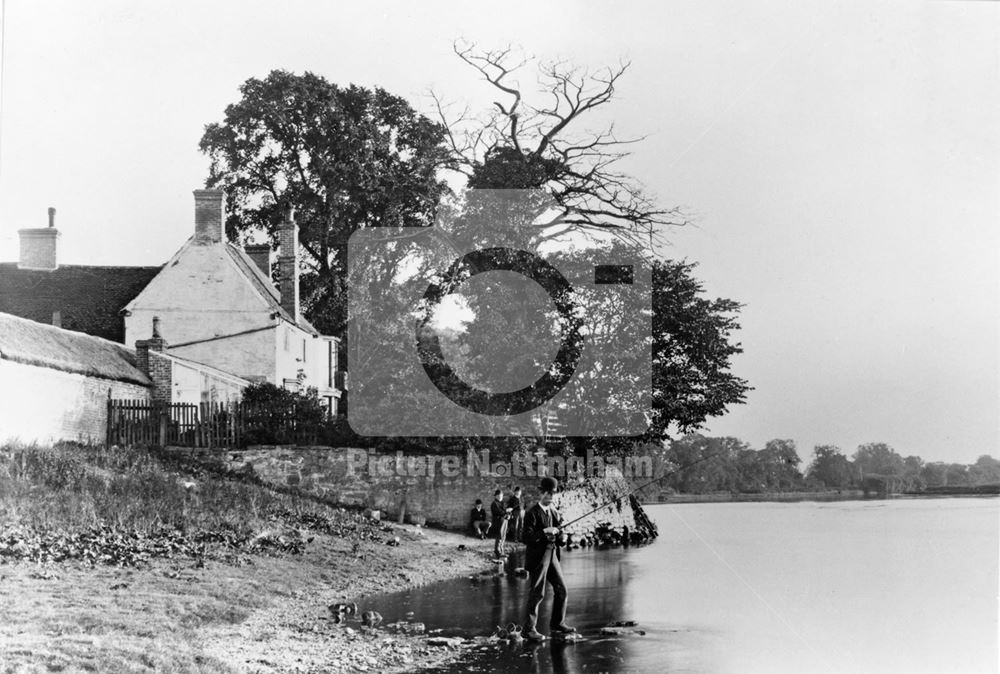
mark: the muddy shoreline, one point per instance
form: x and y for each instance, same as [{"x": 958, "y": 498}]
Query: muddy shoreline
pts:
[{"x": 261, "y": 614}]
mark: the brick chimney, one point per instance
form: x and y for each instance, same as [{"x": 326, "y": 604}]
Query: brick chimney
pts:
[
  {"x": 38, "y": 246},
  {"x": 260, "y": 253},
  {"x": 158, "y": 369},
  {"x": 209, "y": 216},
  {"x": 288, "y": 264},
  {"x": 143, "y": 346}
]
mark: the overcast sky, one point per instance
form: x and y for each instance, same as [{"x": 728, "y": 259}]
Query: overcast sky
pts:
[{"x": 842, "y": 161}]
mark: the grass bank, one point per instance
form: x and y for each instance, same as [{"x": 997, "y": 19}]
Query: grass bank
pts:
[{"x": 117, "y": 560}]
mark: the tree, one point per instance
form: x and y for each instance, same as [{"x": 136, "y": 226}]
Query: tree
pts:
[
  {"x": 691, "y": 454},
  {"x": 935, "y": 474},
  {"x": 353, "y": 158},
  {"x": 520, "y": 144},
  {"x": 986, "y": 470},
  {"x": 913, "y": 467},
  {"x": 524, "y": 144},
  {"x": 345, "y": 158},
  {"x": 957, "y": 475},
  {"x": 692, "y": 349},
  {"x": 878, "y": 458},
  {"x": 830, "y": 467},
  {"x": 781, "y": 461}
]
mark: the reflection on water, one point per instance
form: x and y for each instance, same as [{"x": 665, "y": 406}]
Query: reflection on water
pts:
[{"x": 889, "y": 586}]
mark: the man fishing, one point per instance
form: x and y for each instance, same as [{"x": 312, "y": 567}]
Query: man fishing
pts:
[{"x": 541, "y": 558}]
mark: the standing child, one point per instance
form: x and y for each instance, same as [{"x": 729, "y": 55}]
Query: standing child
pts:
[
  {"x": 500, "y": 514},
  {"x": 516, "y": 506}
]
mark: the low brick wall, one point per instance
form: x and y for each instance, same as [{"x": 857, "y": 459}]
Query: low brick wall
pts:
[{"x": 439, "y": 492}]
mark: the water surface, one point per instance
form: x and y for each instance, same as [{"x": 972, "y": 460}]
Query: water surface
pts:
[{"x": 865, "y": 586}]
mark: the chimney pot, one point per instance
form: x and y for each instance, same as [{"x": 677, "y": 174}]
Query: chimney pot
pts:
[
  {"x": 155, "y": 343},
  {"x": 52, "y": 217}
]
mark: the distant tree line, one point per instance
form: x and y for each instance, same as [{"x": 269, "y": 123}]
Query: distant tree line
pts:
[{"x": 706, "y": 465}]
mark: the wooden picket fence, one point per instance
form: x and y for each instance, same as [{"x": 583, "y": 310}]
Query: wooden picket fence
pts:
[{"x": 206, "y": 425}]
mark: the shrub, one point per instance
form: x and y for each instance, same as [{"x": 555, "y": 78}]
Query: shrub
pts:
[{"x": 277, "y": 416}]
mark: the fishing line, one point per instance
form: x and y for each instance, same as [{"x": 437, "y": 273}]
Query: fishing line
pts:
[{"x": 752, "y": 589}]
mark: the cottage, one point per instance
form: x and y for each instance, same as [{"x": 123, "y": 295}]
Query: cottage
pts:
[
  {"x": 55, "y": 384},
  {"x": 216, "y": 305}
]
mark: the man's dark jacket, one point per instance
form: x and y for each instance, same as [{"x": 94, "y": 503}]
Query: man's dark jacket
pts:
[
  {"x": 535, "y": 541},
  {"x": 476, "y": 515},
  {"x": 499, "y": 511}
]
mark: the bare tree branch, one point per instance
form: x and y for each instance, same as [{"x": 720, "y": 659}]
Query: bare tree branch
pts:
[{"x": 550, "y": 144}]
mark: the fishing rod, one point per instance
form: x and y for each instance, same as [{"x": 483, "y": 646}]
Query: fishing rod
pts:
[{"x": 641, "y": 486}]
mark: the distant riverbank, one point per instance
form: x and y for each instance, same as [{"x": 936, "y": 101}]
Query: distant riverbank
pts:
[
  {"x": 780, "y": 497},
  {"x": 796, "y": 496}
]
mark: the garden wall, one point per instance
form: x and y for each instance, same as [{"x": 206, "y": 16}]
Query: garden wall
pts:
[{"x": 437, "y": 490}]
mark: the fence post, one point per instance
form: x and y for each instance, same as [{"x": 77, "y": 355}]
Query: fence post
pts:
[
  {"x": 107, "y": 421},
  {"x": 164, "y": 418}
]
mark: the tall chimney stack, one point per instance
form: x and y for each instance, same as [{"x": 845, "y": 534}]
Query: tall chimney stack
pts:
[
  {"x": 288, "y": 264},
  {"x": 209, "y": 216},
  {"x": 38, "y": 246}
]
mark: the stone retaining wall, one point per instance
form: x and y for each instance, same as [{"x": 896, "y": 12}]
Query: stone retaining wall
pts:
[{"x": 439, "y": 493}]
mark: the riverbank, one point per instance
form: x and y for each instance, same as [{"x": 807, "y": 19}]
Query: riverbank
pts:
[
  {"x": 822, "y": 496},
  {"x": 771, "y": 497},
  {"x": 258, "y": 614},
  {"x": 111, "y": 561}
]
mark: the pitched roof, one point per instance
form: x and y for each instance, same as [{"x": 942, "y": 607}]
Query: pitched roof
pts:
[
  {"x": 31, "y": 343},
  {"x": 89, "y": 299},
  {"x": 202, "y": 367},
  {"x": 264, "y": 286}
]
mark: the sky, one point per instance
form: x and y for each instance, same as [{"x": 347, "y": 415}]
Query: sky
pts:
[{"x": 841, "y": 161}]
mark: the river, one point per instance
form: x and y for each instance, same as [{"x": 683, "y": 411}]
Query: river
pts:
[{"x": 906, "y": 585}]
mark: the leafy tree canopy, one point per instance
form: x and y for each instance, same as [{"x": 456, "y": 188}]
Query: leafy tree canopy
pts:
[{"x": 344, "y": 157}]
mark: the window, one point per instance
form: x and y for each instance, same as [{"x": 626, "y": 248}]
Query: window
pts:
[
  {"x": 288, "y": 334},
  {"x": 331, "y": 361},
  {"x": 303, "y": 350}
]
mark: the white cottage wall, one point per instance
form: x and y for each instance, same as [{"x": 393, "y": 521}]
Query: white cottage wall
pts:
[
  {"x": 40, "y": 404},
  {"x": 202, "y": 297}
]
